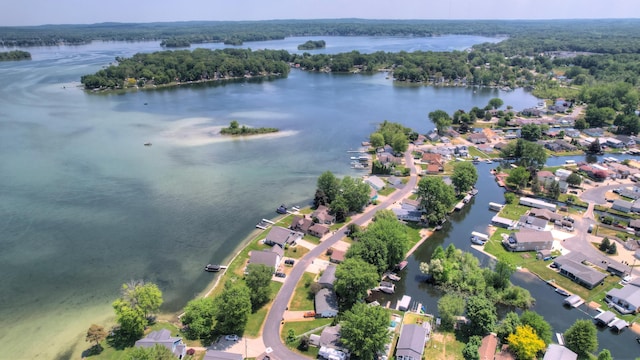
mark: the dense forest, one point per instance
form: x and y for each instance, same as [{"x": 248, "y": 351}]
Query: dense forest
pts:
[
  {"x": 14, "y": 55},
  {"x": 179, "y": 66}
]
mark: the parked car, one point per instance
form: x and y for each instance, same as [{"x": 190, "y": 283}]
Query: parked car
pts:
[
  {"x": 310, "y": 314},
  {"x": 569, "y": 218},
  {"x": 289, "y": 262},
  {"x": 232, "y": 337},
  {"x": 281, "y": 274}
]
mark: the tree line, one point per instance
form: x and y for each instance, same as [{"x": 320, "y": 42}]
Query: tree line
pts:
[
  {"x": 15, "y": 55},
  {"x": 164, "y": 67}
]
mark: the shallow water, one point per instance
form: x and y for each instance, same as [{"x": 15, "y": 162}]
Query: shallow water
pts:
[{"x": 86, "y": 207}]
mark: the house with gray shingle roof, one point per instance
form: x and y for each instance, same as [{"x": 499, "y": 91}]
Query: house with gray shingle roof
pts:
[
  {"x": 280, "y": 236},
  {"x": 326, "y": 303},
  {"x": 626, "y": 300},
  {"x": 328, "y": 277},
  {"x": 559, "y": 352},
  {"x": 412, "y": 341},
  {"x": 163, "y": 337},
  {"x": 268, "y": 258},
  {"x": 221, "y": 355},
  {"x": 571, "y": 266},
  {"x": 529, "y": 240},
  {"x": 322, "y": 215}
]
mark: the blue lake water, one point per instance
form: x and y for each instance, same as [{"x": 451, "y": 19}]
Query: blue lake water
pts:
[{"x": 86, "y": 207}]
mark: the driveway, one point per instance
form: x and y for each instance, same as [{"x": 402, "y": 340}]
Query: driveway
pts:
[{"x": 271, "y": 330}]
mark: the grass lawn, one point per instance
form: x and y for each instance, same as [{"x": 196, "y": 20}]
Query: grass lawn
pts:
[
  {"x": 312, "y": 239},
  {"x": 254, "y": 324},
  {"x": 513, "y": 211},
  {"x": 473, "y": 152},
  {"x": 295, "y": 252},
  {"x": 443, "y": 346},
  {"x": 299, "y": 328},
  {"x": 413, "y": 234},
  {"x": 301, "y": 299},
  {"x": 387, "y": 190}
]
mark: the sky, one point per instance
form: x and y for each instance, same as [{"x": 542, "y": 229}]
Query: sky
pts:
[{"x": 39, "y": 12}]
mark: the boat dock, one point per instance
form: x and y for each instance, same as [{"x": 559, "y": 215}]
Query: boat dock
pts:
[
  {"x": 573, "y": 301},
  {"x": 391, "y": 276},
  {"x": 264, "y": 224}
]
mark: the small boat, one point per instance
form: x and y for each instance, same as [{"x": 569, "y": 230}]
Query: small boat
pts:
[
  {"x": 392, "y": 276},
  {"x": 476, "y": 240},
  {"x": 212, "y": 268},
  {"x": 403, "y": 264},
  {"x": 562, "y": 292},
  {"x": 282, "y": 209},
  {"x": 147, "y": 144}
]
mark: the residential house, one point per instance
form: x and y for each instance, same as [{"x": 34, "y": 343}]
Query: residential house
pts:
[
  {"x": 328, "y": 277},
  {"x": 628, "y": 141},
  {"x": 485, "y": 148},
  {"x": 635, "y": 224},
  {"x": 488, "y": 346},
  {"x": 432, "y": 159},
  {"x": 552, "y": 146},
  {"x": 490, "y": 134},
  {"x": 326, "y": 303},
  {"x": 270, "y": 258},
  {"x": 221, "y": 355},
  {"x": 545, "y": 178},
  {"x": 503, "y": 222},
  {"x": 622, "y": 205},
  {"x": 533, "y": 223},
  {"x": 572, "y": 133},
  {"x": 409, "y": 204},
  {"x": 563, "y": 174},
  {"x": 301, "y": 224},
  {"x": 412, "y": 341},
  {"x": 337, "y": 256},
  {"x": 536, "y": 203},
  {"x": 389, "y": 159},
  {"x": 499, "y": 146},
  {"x": 318, "y": 230},
  {"x": 322, "y": 215},
  {"x": 452, "y": 133},
  {"x": 594, "y": 132},
  {"x": 163, "y": 337},
  {"x": 420, "y": 140},
  {"x": 375, "y": 182},
  {"x": 433, "y": 136},
  {"x": 528, "y": 240},
  {"x": 534, "y": 112},
  {"x": 478, "y": 138},
  {"x": 461, "y": 150},
  {"x": 545, "y": 214},
  {"x": 280, "y": 236},
  {"x": 626, "y": 300},
  {"x": 614, "y": 143},
  {"x": 559, "y": 352},
  {"x": 433, "y": 169},
  {"x": 564, "y": 145},
  {"x": 407, "y": 215},
  {"x": 395, "y": 181},
  {"x": 572, "y": 266}
]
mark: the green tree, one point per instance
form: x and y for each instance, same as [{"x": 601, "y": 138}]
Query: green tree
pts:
[
  {"x": 441, "y": 119},
  {"x": 370, "y": 249},
  {"x": 482, "y": 315},
  {"x": 234, "y": 124},
  {"x": 554, "y": 190},
  {"x": 581, "y": 124},
  {"x": 531, "y": 132},
  {"x": 436, "y": 198},
  {"x": 464, "y": 176},
  {"x": 450, "y": 306},
  {"x": 502, "y": 274},
  {"x": 199, "y": 318},
  {"x": 392, "y": 233},
  {"x": 525, "y": 153},
  {"x": 376, "y": 139},
  {"x": 156, "y": 352},
  {"x": 329, "y": 185},
  {"x": 597, "y": 117},
  {"x": 612, "y": 248},
  {"x": 339, "y": 208},
  {"x": 538, "y": 324},
  {"x": 365, "y": 331},
  {"x": 605, "y": 355},
  {"x": 574, "y": 179},
  {"x": 258, "y": 280},
  {"x": 508, "y": 325},
  {"x": 399, "y": 143},
  {"x": 233, "y": 307},
  {"x": 355, "y": 193},
  {"x": 581, "y": 338},
  {"x": 495, "y": 103},
  {"x": 96, "y": 334},
  {"x": 291, "y": 337},
  {"x": 145, "y": 297},
  {"x": 131, "y": 322},
  {"x": 594, "y": 147},
  {"x": 510, "y": 198},
  {"x": 470, "y": 349},
  {"x": 525, "y": 343},
  {"x": 518, "y": 177},
  {"x": 605, "y": 244},
  {"x": 353, "y": 278}
]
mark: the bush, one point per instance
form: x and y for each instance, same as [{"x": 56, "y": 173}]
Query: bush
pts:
[
  {"x": 510, "y": 198},
  {"x": 605, "y": 244}
]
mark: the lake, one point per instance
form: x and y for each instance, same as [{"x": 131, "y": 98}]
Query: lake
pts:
[{"x": 86, "y": 207}]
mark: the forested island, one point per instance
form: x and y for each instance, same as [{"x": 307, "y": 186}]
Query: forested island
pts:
[
  {"x": 312, "y": 45},
  {"x": 15, "y": 55},
  {"x": 235, "y": 129},
  {"x": 175, "y": 67}
]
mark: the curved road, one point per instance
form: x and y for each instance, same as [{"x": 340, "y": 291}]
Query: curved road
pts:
[{"x": 271, "y": 330}]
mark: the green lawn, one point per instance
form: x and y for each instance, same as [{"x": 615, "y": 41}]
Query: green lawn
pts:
[
  {"x": 413, "y": 234},
  {"x": 301, "y": 299},
  {"x": 513, "y": 211},
  {"x": 473, "y": 152},
  {"x": 299, "y": 328},
  {"x": 295, "y": 252},
  {"x": 387, "y": 190},
  {"x": 254, "y": 324},
  {"x": 443, "y": 346}
]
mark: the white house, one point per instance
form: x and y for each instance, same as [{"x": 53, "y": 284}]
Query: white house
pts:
[
  {"x": 375, "y": 182},
  {"x": 536, "y": 203}
]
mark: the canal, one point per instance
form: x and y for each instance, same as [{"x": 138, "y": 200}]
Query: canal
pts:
[{"x": 476, "y": 217}]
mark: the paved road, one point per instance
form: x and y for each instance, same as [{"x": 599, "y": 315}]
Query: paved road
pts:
[
  {"x": 271, "y": 331},
  {"x": 596, "y": 194}
]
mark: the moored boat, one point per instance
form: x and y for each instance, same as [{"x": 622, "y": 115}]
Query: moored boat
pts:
[{"x": 212, "y": 268}]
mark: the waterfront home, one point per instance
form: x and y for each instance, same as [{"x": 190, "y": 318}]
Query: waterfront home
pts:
[
  {"x": 533, "y": 223},
  {"x": 503, "y": 222},
  {"x": 545, "y": 214},
  {"x": 395, "y": 181},
  {"x": 529, "y": 240},
  {"x": 412, "y": 341},
  {"x": 614, "y": 143},
  {"x": 536, "y": 203},
  {"x": 407, "y": 215},
  {"x": 280, "y": 236},
  {"x": 328, "y": 277},
  {"x": 559, "y": 352},
  {"x": 270, "y": 258},
  {"x": 628, "y": 141},
  {"x": 563, "y": 174},
  {"x": 565, "y": 146},
  {"x": 572, "y": 266},
  {"x": 389, "y": 159},
  {"x": 478, "y": 138},
  {"x": 221, "y": 355},
  {"x": 375, "y": 182},
  {"x": 488, "y": 346},
  {"x": 572, "y": 133},
  {"x": 594, "y": 132},
  {"x": 432, "y": 159},
  {"x": 326, "y": 303},
  {"x": 622, "y": 205},
  {"x": 409, "y": 204},
  {"x": 163, "y": 337},
  {"x": 301, "y": 223},
  {"x": 545, "y": 178},
  {"x": 626, "y": 300},
  {"x": 322, "y": 215}
]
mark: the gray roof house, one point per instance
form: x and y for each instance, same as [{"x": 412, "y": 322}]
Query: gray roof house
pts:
[
  {"x": 604, "y": 318},
  {"x": 322, "y": 215},
  {"x": 625, "y": 300},
  {"x": 163, "y": 337},
  {"x": 221, "y": 355},
  {"x": 375, "y": 182},
  {"x": 326, "y": 303},
  {"x": 266, "y": 257},
  {"x": 407, "y": 215},
  {"x": 533, "y": 223},
  {"x": 330, "y": 337},
  {"x": 621, "y": 205},
  {"x": 328, "y": 277},
  {"x": 559, "y": 352},
  {"x": 528, "y": 240},
  {"x": 545, "y": 214},
  {"x": 411, "y": 342},
  {"x": 571, "y": 266},
  {"x": 281, "y": 236}
]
